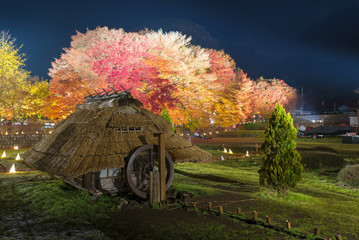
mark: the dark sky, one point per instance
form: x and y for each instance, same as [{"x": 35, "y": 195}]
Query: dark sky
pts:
[{"x": 309, "y": 44}]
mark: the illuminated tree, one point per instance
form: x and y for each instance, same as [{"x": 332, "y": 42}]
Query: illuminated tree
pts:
[
  {"x": 36, "y": 97},
  {"x": 281, "y": 167},
  {"x": 12, "y": 62},
  {"x": 67, "y": 89},
  {"x": 163, "y": 70},
  {"x": 20, "y": 96},
  {"x": 268, "y": 92},
  {"x": 259, "y": 97}
]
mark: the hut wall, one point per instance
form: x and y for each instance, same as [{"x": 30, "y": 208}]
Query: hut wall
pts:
[{"x": 22, "y": 140}]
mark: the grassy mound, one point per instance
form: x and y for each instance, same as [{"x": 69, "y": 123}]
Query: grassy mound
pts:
[
  {"x": 350, "y": 176},
  {"x": 314, "y": 159}
]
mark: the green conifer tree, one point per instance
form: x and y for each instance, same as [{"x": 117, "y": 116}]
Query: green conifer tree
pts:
[{"x": 281, "y": 167}]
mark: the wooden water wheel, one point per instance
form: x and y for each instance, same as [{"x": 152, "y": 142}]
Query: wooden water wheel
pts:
[{"x": 139, "y": 166}]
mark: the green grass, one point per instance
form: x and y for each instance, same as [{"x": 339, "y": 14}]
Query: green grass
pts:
[
  {"x": 241, "y": 134},
  {"x": 52, "y": 199},
  {"x": 318, "y": 200},
  {"x": 9, "y": 160}
]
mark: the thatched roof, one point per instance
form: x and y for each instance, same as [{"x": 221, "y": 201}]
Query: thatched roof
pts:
[{"x": 101, "y": 133}]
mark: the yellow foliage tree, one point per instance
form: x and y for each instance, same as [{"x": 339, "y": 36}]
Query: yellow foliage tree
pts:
[{"x": 20, "y": 96}]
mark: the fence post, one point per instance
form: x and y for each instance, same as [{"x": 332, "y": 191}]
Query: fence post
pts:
[
  {"x": 238, "y": 210},
  {"x": 255, "y": 215},
  {"x": 287, "y": 222},
  {"x": 268, "y": 219},
  {"x": 220, "y": 209},
  {"x": 338, "y": 237}
]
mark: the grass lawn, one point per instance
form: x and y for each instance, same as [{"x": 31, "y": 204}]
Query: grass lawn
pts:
[
  {"x": 36, "y": 204},
  {"x": 319, "y": 200}
]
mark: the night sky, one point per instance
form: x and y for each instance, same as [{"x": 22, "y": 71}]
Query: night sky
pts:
[{"x": 309, "y": 44}]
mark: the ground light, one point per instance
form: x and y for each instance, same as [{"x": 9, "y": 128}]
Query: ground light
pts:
[
  {"x": 247, "y": 154},
  {"x": 12, "y": 169},
  {"x": 222, "y": 158},
  {"x": 17, "y": 157},
  {"x": 16, "y": 147},
  {"x": 225, "y": 150},
  {"x": 3, "y": 154},
  {"x": 230, "y": 151}
]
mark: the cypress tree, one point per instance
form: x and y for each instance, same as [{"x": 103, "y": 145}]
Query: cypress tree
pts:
[{"x": 281, "y": 167}]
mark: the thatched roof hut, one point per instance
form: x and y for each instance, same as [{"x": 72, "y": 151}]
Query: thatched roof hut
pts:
[{"x": 102, "y": 133}]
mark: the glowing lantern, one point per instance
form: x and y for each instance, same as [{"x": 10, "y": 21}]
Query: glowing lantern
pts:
[
  {"x": 225, "y": 150},
  {"x": 37, "y": 132},
  {"x": 17, "y": 157},
  {"x": 230, "y": 151},
  {"x": 12, "y": 169},
  {"x": 3, "y": 154},
  {"x": 6, "y": 133},
  {"x": 216, "y": 131},
  {"x": 247, "y": 154},
  {"x": 16, "y": 147}
]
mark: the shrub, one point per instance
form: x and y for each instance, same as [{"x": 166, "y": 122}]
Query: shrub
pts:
[
  {"x": 350, "y": 175},
  {"x": 281, "y": 168},
  {"x": 312, "y": 159}
]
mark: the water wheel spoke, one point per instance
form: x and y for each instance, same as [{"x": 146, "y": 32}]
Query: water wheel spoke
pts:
[{"x": 140, "y": 164}]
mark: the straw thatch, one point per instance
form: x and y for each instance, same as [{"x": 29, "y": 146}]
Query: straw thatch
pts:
[{"x": 101, "y": 134}]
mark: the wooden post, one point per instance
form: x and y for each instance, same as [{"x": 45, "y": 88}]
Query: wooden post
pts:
[
  {"x": 238, "y": 210},
  {"x": 268, "y": 219},
  {"x": 256, "y": 147},
  {"x": 220, "y": 209},
  {"x": 162, "y": 158},
  {"x": 194, "y": 204},
  {"x": 287, "y": 223},
  {"x": 316, "y": 231},
  {"x": 338, "y": 237},
  {"x": 151, "y": 188},
  {"x": 255, "y": 215},
  {"x": 209, "y": 206},
  {"x": 156, "y": 190}
]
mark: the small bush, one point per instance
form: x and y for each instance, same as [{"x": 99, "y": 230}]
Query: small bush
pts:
[
  {"x": 350, "y": 176},
  {"x": 317, "y": 160}
]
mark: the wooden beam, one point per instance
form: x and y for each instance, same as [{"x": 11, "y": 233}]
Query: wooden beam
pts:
[{"x": 162, "y": 160}]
